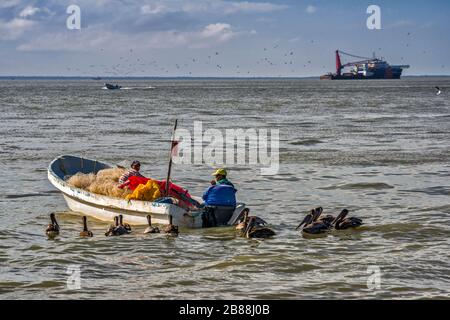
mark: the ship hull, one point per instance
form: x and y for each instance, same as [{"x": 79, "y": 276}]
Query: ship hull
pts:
[{"x": 358, "y": 77}]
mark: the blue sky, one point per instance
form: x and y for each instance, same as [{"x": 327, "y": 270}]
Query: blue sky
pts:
[{"x": 217, "y": 37}]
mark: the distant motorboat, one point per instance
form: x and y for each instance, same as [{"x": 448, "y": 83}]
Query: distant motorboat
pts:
[
  {"x": 112, "y": 86},
  {"x": 96, "y": 78}
]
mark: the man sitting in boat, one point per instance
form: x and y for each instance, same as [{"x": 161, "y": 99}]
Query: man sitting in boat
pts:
[
  {"x": 134, "y": 171},
  {"x": 221, "y": 197},
  {"x": 220, "y": 177}
]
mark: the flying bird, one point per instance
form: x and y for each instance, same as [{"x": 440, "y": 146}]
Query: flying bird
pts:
[{"x": 438, "y": 92}]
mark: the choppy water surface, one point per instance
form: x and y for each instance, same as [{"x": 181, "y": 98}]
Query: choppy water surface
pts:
[{"x": 379, "y": 148}]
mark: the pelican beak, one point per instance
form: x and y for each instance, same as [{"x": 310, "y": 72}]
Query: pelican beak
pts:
[
  {"x": 250, "y": 225},
  {"x": 340, "y": 216},
  {"x": 305, "y": 221}
]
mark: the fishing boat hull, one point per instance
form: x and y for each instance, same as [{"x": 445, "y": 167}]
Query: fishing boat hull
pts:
[
  {"x": 112, "y": 86},
  {"x": 105, "y": 208}
]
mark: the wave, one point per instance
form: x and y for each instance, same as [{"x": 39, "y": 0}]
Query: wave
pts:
[
  {"x": 306, "y": 142},
  {"x": 432, "y": 191},
  {"x": 360, "y": 185},
  {"x": 131, "y": 88},
  {"x": 25, "y": 195}
]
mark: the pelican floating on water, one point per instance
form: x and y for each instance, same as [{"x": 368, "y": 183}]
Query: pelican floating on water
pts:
[
  {"x": 342, "y": 223},
  {"x": 328, "y": 218},
  {"x": 255, "y": 230},
  {"x": 170, "y": 228},
  {"x": 312, "y": 223},
  {"x": 85, "y": 232},
  {"x": 125, "y": 225},
  {"x": 242, "y": 225},
  {"x": 53, "y": 228},
  {"x": 117, "y": 229},
  {"x": 150, "y": 228},
  {"x": 110, "y": 231}
]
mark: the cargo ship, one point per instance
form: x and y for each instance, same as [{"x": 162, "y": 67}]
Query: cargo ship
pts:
[{"x": 369, "y": 68}]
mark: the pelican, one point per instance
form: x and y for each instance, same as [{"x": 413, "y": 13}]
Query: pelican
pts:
[
  {"x": 121, "y": 229},
  {"x": 245, "y": 219},
  {"x": 151, "y": 229},
  {"x": 85, "y": 232},
  {"x": 328, "y": 218},
  {"x": 170, "y": 228},
  {"x": 312, "y": 225},
  {"x": 243, "y": 224},
  {"x": 125, "y": 225},
  {"x": 53, "y": 228},
  {"x": 307, "y": 219},
  {"x": 110, "y": 231},
  {"x": 254, "y": 230},
  {"x": 342, "y": 223},
  {"x": 117, "y": 229}
]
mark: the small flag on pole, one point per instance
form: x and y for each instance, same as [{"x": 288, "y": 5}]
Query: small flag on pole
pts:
[{"x": 174, "y": 151}]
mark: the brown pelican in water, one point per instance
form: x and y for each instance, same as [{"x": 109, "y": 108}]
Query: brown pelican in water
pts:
[
  {"x": 150, "y": 228},
  {"x": 307, "y": 219},
  {"x": 125, "y": 225},
  {"x": 117, "y": 229},
  {"x": 85, "y": 232},
  {"x": 53, "y": 228},
  {"x": 170, "y": 228},
  {"x": 242, "y": 225},
  {"x": 342, "y": 223},
  {"x": 328, "y": 218},
  {"x": 312, "y": 225},
  {"x": 110, "y": 231},
  {"x": 255, "y": 230}
]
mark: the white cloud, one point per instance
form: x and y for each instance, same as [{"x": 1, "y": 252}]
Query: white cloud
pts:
[
  {"x": 311, "y": 9},
  {"x": 13, "y": 29},
  {"x": 220, "y": 31},
  {"x": 211, "y": 6},
  {"x": 400, "y": 24},
  {"x": 93, "y": 38},
  {"x": 28, "y": 12},
  {"x": 9, "y": 3},
  {"x": 154, "y": 9},
  {"x": 233, "y": 7}
]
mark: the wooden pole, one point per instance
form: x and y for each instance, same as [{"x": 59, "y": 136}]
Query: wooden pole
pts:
[{"x": 170, "y": 158}]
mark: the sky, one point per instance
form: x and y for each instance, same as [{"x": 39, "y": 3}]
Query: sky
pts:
[{"x": 218, "y": 38}]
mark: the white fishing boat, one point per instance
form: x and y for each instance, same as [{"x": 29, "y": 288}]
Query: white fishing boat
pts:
[{"x": 134, "y": 212}]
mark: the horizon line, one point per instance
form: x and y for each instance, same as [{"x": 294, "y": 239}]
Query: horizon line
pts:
[{"x": 97, "y": 78}]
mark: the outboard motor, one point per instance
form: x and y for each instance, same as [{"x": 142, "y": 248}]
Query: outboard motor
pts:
[{"x": 214, "y": 216}]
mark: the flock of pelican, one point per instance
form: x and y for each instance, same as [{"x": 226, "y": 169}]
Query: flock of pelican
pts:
[
  {"x": 247, "y": 226},
  {"x": 117, "y": 229},
  {"x": 315, "y": 222}
]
